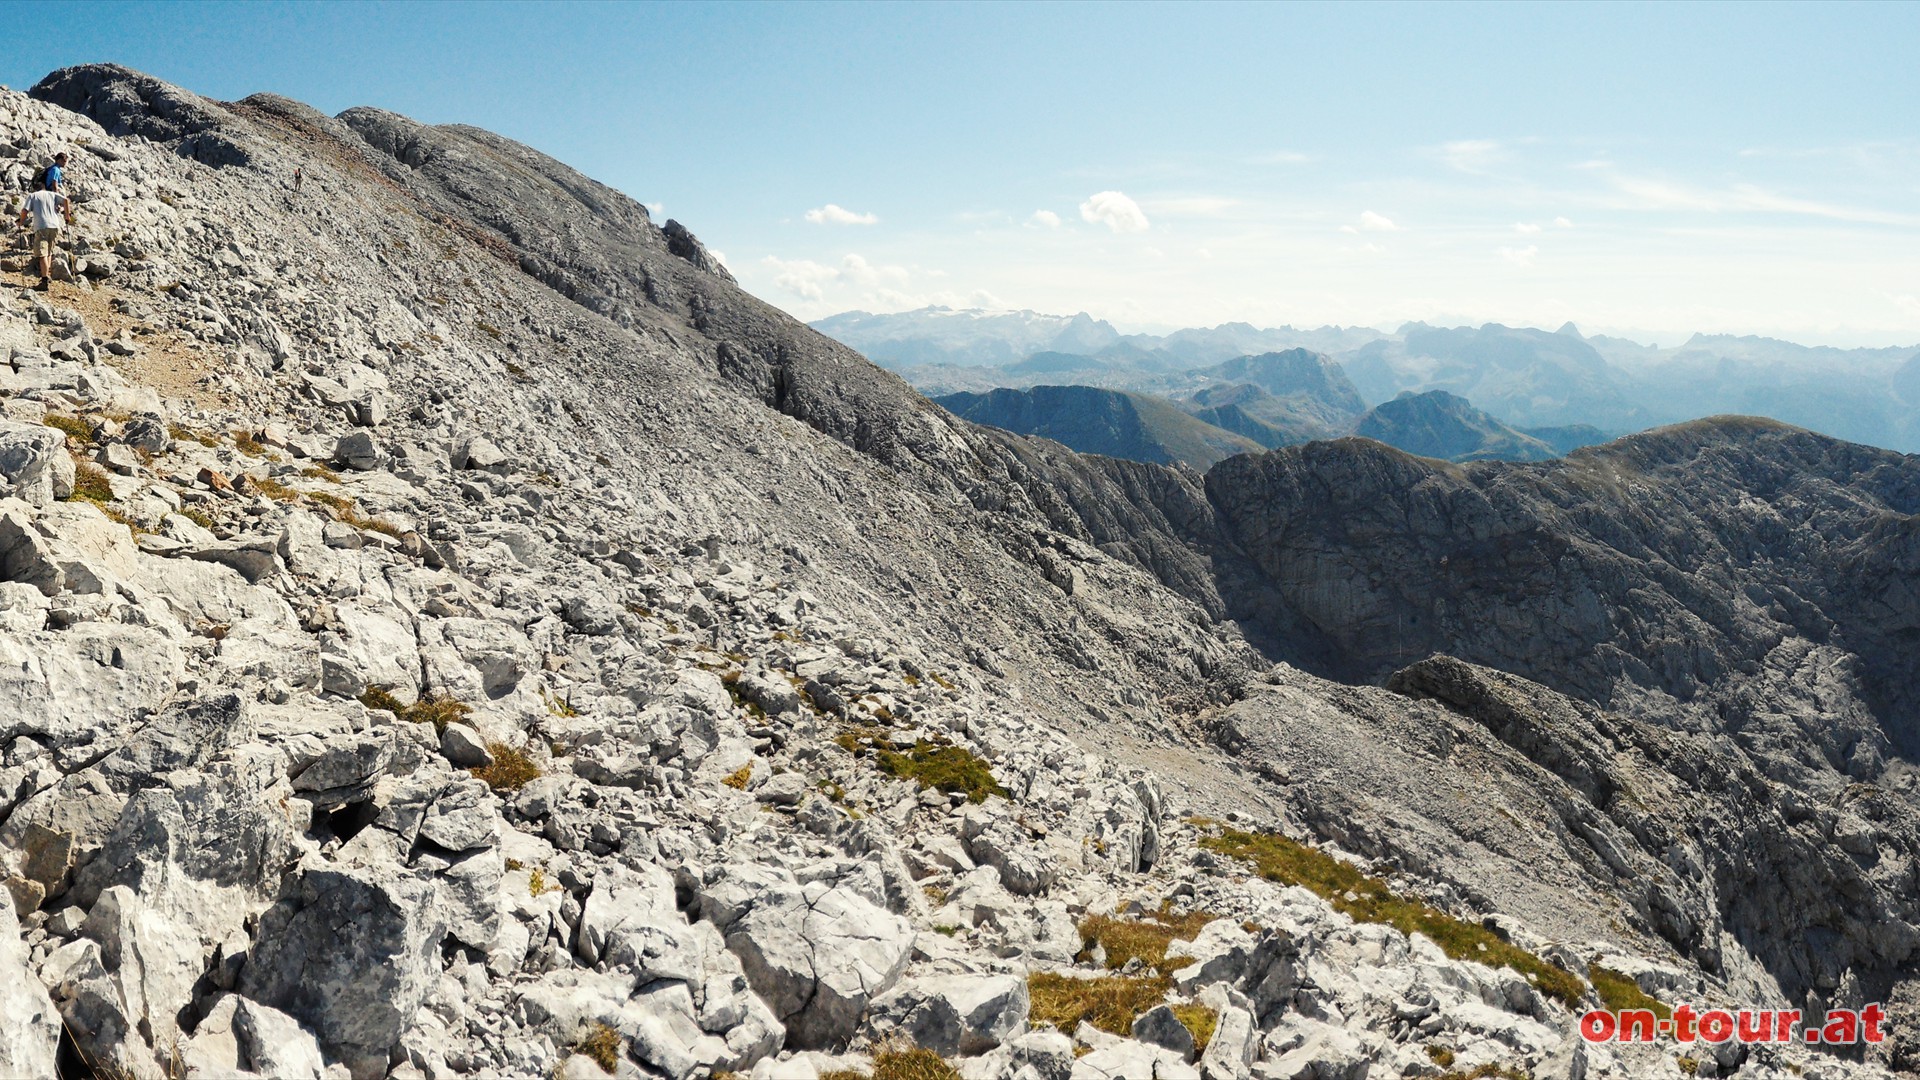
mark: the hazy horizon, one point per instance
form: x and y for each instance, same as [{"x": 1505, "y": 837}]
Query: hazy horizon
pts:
[{"x": 1646, "y": 171}]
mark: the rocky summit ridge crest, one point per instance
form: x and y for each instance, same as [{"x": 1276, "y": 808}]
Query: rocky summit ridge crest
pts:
[{"x": 450, "y": 629}]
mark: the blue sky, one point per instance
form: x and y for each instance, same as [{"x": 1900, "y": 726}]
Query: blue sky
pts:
[{"x": 1650, "y": 169}]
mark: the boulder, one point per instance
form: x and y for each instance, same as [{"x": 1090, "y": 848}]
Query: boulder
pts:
[
  {"x": 463, "y": 747},
  {"x": 25, "y": 556},
  {"x": 816, "y": 953},
  {"x": 350, "y": 953},
  {"x": 1235, "y": 1044},
  {"x": 995, "y": 839},
  {"x": 1160, "y": 1027},
  {"x": 358, "y": 450},
  {"x": 34, "y": 465},
  {"x": 630, "y": 921},
  {"x": 954, "y": 1014}
]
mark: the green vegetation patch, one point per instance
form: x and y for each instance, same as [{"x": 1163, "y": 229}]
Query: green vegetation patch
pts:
[
  {"x": 90, "y": 483},
  {"x": 1109, "y": 1002},
  {"x": 1199, "y": 1022},
  {"x": 1619, "y": 992},
  {"x": 931, "y": 764},
  {"x": 73, "y": 427},
  {"x": 1367, "y": 899}
]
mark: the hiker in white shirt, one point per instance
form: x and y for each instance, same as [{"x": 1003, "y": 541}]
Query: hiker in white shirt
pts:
[{"x": 45, "y": 212}]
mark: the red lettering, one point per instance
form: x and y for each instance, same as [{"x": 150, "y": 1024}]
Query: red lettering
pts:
[
  {"x": 1637, "y": 1025},
  {"x": 1754, "y": 1024},
  {"x": 1683, "y": 1018},
  {"x": 1597, "y": 1026},
  {"x": 1873, "y": 1014},
  {"x": 1783, "y": 1022},
  {"x": 1842, "y": 1027},
  {"x": 1716, "y": 1025}
]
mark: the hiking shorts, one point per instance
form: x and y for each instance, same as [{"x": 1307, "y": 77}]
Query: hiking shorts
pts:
[{"x": 44, "y": 241}]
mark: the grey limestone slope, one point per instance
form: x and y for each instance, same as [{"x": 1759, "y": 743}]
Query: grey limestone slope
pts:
[{"x": 453, "y": 422}]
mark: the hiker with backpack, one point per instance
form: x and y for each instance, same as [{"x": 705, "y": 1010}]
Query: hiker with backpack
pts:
[
  {"x": 56, "y": 174},
  {"x": 45, "y": 212}
]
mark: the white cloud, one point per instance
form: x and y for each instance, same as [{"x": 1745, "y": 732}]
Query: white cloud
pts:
[
  {"x": 1372, "y": 222},
  {"x": 803, "y": 278},
  {"x": 720, "y": 257},
  {"x": 1046, "y": 219},
  {"x": 655, "y": 209},
  {"x": 1520, "y": 256},
  {"x": 1563, "y": 223},
  {"x": 1115, "y": 211},
  {"x": 1471, "y": 155},
  {"x": 1525, "y": 227},
  {"x": 811, "y": 280},
  {"x": 831, "y": 214},
  {"x": 856, "y": 270}
]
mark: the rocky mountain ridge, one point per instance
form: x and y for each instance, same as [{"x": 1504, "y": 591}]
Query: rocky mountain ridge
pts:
[
  {"x": 452, "y": 630},
  {"x": 1527, "y": 378}
]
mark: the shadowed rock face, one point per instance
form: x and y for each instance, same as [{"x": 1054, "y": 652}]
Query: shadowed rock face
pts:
[{"x": 1734, "y": 572}]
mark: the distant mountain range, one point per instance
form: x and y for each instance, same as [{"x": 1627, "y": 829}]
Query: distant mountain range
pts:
[
  {"x": 1523, "y": 378},
  {"x": 1162, "y": 431}
]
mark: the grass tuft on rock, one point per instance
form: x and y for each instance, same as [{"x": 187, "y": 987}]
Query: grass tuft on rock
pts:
[
  {"x": 429, "y": 709},
  {"x": 739, "y": 778},
  {"x": 511, "y": 769},
  {"x": 1199, "y": 1022},
  {"x": 938, "y": 765},
  {"x": 72, "y": 426},
  {"x": 1368, "y": 899},
  {"x": 1619, "y": 992},
  {"x": 602, "y": 1044},
  {"x": 90, "y": 483},
  {"x": 1109, "y": 1002}
]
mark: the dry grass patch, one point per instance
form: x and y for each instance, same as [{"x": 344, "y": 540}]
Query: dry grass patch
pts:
[
  {"x": 271, "y": 488},
  {"x": 244, "y": 442},
  {"x": 344, "y": 509},
  {"x": 602, "y": 1044},
  {"x": 1144, "y": 939},
  {"x": 1367, "y": 899},
  {"x": 1109, "y": 1002},
  {"x": 511, "y": 769},
  {"x": 428, "y": 709},
  {"x": 183, "y": 433},
  {"x": 739, "y": 778}
]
